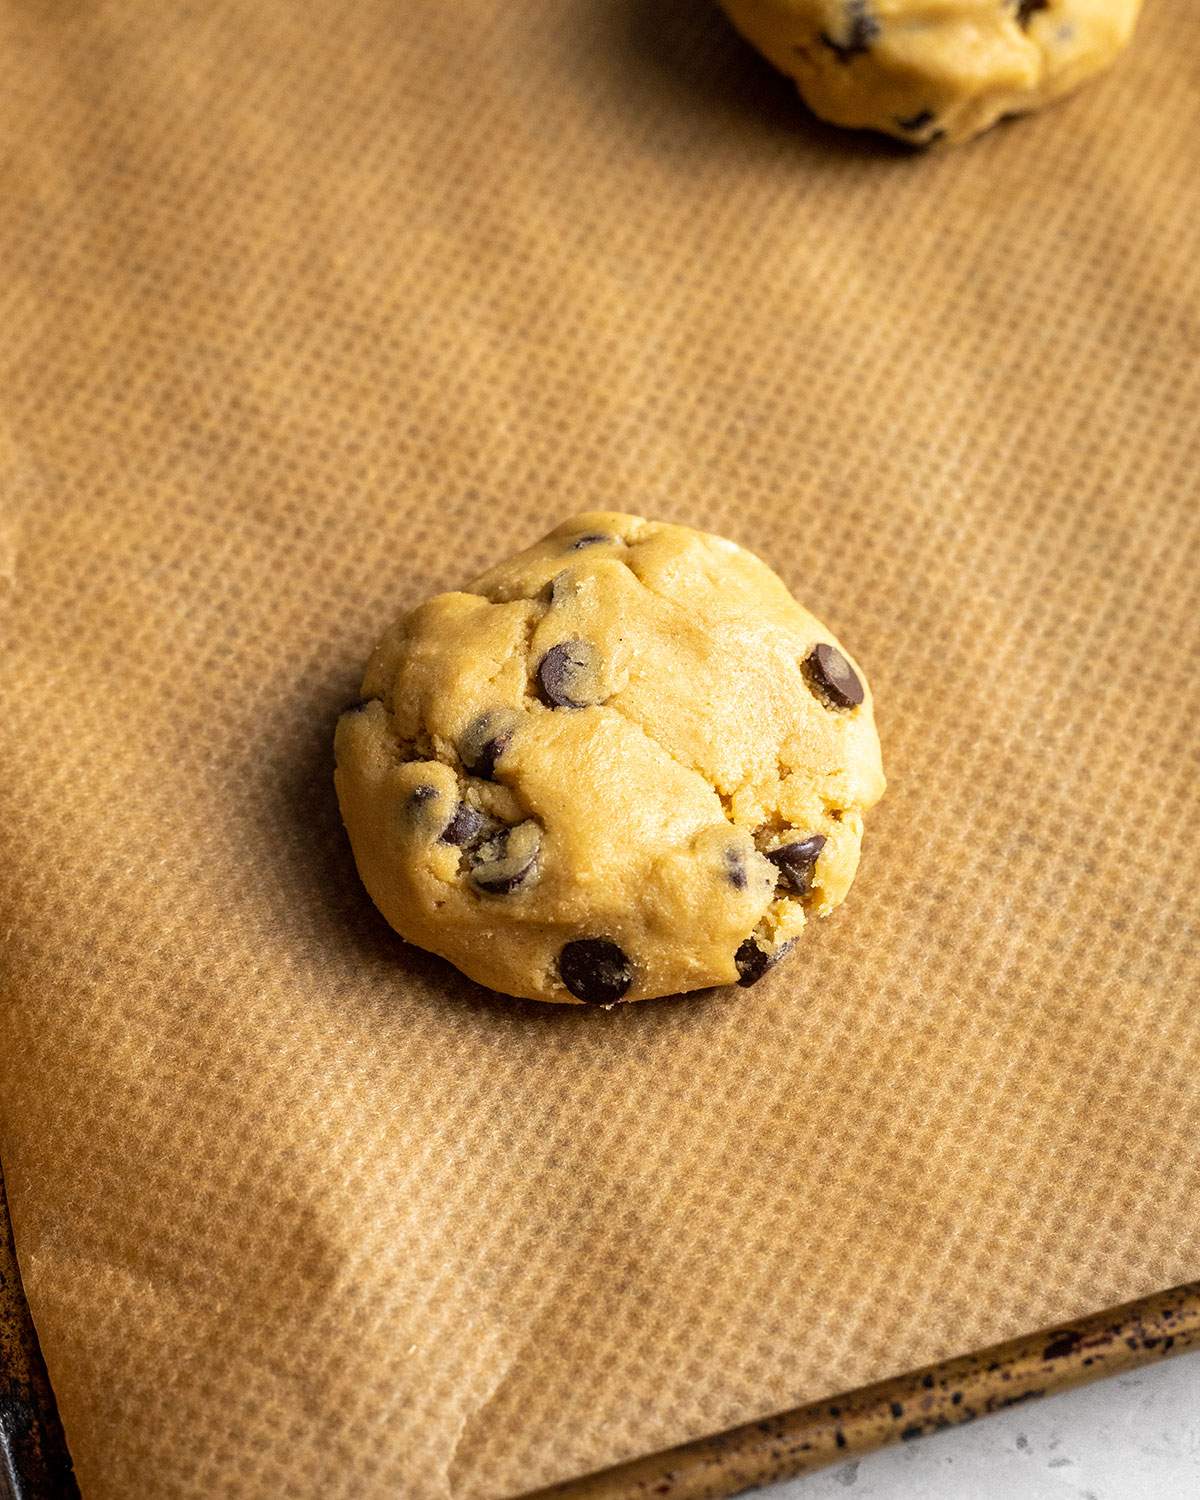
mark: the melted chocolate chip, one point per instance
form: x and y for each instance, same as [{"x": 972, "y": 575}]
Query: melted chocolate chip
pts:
[
  {"x": 419, "y": 796},
  {"x": 466, "y": 825},
  {"x": 735, "y": 868},
  {"x": 753, "y": 962},
  {"x": 591, "y": 539},
  {"x": 502, "y": 863},
  {"x": 918, "y": 121},
  {"x": 861, "y": 29},
  {"x": 486, "y": 740},
  {"x": 796, "y": 862},
  {"x": 567, "y": 675},
  {"x": 595, "y": 970},
  {"x": 832, "y": 677},
  {"x": 1027, "y": 9}
]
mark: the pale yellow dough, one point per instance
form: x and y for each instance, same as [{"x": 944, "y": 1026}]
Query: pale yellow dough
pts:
[
  {"x": 930, "y": 71},
  {"x": 642, "y": 819}
]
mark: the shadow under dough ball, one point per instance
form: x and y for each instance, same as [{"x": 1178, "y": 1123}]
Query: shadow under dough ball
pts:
[{"x": 624, "y": 763}]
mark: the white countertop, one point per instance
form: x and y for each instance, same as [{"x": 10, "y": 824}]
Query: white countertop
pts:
[{"x": 1130, "y": 1437}]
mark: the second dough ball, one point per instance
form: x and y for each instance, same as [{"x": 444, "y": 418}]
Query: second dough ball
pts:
[{"x": 927, "y": 71}]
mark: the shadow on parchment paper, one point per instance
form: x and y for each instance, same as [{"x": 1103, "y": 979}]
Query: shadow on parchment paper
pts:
[
  {"x": 329, "y": 895},
  {"x": 711, "y": 70}
]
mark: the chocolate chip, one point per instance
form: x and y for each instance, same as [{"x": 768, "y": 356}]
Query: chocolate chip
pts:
[
  {"x": 485, "y": 741},
  {"x": 591, "y": 539},
  {"x": 502, "y": 863},
  {"x": 861, "y": 30},
  {"x": 1027, "y": 9},
  {"x": 735, "y": 868},
  {"x": 567, "y": 675},
  {"x": 797, "y": 861},
  {"x": 918, "y": 121},
  {"x": 485, "y": 762},
  {"x": 832, "y": 677},
  {"x": 500, "y": 883},
  {"x": 419, "y": 796},
  {"x": 753, "y": 962},
  {"x": 466, "y": 824},
  {"x": 563, "y": 587},
  {"x": 595, "y": 970}
]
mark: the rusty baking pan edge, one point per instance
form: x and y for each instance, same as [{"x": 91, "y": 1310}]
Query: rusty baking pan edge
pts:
[
  {"x": 35, "y": 1464},
  {"x": 903, "y": 1407}
]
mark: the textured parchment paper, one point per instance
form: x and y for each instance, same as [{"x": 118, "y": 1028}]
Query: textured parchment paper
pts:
[{"x": 310, "y": 310}]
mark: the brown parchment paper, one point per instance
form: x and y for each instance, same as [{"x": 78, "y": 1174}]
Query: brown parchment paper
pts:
[{"x": 309, "y": 311}]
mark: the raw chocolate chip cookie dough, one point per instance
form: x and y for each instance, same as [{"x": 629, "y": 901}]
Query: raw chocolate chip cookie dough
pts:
[
  {"x": 934, "y": 70},
  {"x": 625, "y": 763}
]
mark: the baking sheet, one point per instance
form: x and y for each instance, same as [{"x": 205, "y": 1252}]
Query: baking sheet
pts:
[
  {"x": 34, "y": 1462},
  {"x": 36, "y": 1465},
  {"x": 305, "y": 322},
  {"x": 904, "y": 1407}
]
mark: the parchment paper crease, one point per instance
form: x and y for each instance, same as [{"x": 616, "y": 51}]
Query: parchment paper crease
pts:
[{"x": 309, "y": 311}]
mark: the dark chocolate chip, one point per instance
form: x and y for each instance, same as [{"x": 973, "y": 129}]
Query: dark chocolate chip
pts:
[
  {"x": 753, "y": 962},
  {"x": 466, "y": 824},
  {"x": 508, "y": 860},
  {"x": 592, "y": 539},
  {"x": 419, "y": 796},
  {"x": 496, "y": 884},
  {"x": 486, "y": 740},
  {"x": 595, "y": 970},
  {"x": 735, "y": 868},
  {"x": 918, "y": 121},
  {"x": 832, "y": 677},
  {"x": 1027, "y": 9},
  {"x": 796, "y": 862},
  {"x": 567, "y": 675},
  {"x": 861, "y": 29},
  {"x": 485, "y": 762}
]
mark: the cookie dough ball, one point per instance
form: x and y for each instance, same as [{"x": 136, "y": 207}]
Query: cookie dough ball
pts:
[
  {"x": 934, "y": 70},
  {"x": 625, "y": 763}
]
